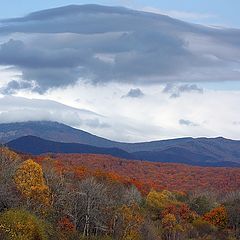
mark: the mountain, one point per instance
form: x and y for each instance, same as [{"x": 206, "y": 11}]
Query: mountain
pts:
[
  {"x": 180, "y": 154},
  {"x": 36, "y": 146},
  {"x": 59, "y": 132},
  {"x": 57, "y": 137},
  {"x": 50, "y": 131}
]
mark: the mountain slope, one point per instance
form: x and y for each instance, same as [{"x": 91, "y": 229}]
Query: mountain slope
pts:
[
  {"x": 183, "y": 155},
  {"x": 51, "y": 131},
  {"x": 199, "y": 151},
  {"x": 59, "y": 132},
  {"x": 36, "y": 146}
]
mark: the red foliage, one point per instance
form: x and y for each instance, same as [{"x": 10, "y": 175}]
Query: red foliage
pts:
[
  {"x": 147, "y": 175},
  {"x": 66, "y": 225},
  {"x": 181, "y": 211}
]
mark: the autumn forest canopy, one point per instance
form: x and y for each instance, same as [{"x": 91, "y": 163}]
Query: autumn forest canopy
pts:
[{"x": 62, "y": 197}]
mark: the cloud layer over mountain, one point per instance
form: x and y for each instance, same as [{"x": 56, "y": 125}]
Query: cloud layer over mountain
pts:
[
  {"x": 19, "y": 109},
  {"x": 59, "y": 47}
]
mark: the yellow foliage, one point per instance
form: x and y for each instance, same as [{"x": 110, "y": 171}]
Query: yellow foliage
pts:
[
  {"x": 132, "y": 220},
  {"x": 30, "y": 182},
  {"x": 159, "y": 200},
  {"x": 169, "y": 220}
]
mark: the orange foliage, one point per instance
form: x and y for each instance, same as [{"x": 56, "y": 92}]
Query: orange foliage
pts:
[
  {"x": 148, "y": 175},
  {"x": 217, "y": 217}
]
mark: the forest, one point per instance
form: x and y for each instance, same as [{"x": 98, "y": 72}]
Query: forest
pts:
[
  {"x": 160, "y": 176},
  {"x": 60, "y": 197}
]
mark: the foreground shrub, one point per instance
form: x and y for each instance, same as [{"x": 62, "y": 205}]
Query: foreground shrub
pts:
[{"x": 21, "y": 225}]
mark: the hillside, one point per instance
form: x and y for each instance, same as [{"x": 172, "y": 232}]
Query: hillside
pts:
[{"x": 159, "y": 175}]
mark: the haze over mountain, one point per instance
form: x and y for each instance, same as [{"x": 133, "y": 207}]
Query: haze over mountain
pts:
[{"x": 64, "y": 139}]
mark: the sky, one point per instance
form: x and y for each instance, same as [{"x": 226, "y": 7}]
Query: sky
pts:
[
  {"x": 214, "y": 12},
  {"x": 128, "y": 74}
]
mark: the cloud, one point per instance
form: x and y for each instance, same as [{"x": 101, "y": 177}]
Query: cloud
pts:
[
  {"x": 14, "y": 85},
  {"x": 154, "y": 117},
  {"x": 19, "y": 109},
  {"x": 188, "y": 123},
  {"x": 59, "y": 47},
  {"x": 134, "y": 93},
  {"x": 176, "y": 90},
  {"x": 185, "y": 15}
]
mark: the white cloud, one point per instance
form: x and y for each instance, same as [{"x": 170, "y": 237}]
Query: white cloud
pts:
[
  {"x": 20, "y": 109},
  {"x": 156, "y": 116}
]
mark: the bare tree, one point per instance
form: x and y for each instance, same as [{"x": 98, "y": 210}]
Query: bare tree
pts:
[{"x": 90, "y": 207}]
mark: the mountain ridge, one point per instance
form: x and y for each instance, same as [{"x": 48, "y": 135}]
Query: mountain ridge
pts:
[
  {"x": 37, "y": 146},
  {"x": 7, "y": 131},
  {"x": 195, "y": 151}
]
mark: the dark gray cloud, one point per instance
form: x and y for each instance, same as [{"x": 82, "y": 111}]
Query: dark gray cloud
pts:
[
  {"x": 14, "y": 85},
  {"x": 134, "y": 93},
  {"x": 185, "y": 122},
  {"x": 58, "y": 47},
  {"x": 175, "y": 90}
]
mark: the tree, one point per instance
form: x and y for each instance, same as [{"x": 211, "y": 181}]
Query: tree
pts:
[
  {"x": 90, "y": 207},
  {"x": 129, "y": 221},
  {"x": 233, "y": 212},
  {"x": 9, "y": 161},
  {"x": 58, "y": 185},
  {"x": 181, "y": 211},
  {"x": 217, "y": 217},
  {"x": 159, "y": 200},
  {"x": 21, "y": 225},
  {"x": 201, "y": 204},
  {"x": 203, "y": 228},
  {"x": 171, "y": 229},
  {"x": 30, "y": 182}
]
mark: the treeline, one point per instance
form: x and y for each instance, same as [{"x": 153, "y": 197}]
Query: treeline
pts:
[{"x": 46, "y": 201}]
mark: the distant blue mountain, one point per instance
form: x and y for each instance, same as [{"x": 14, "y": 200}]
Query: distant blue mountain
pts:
[
  {"x": 43, "y": 136},
  {"x": 59, "y": 132},
  {"x": 36, "y": 146}
]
